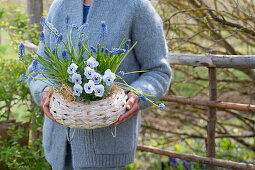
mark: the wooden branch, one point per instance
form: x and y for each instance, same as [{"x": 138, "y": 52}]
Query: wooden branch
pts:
[
  {"x": 210, "y": 60},
  {"x": 216, "y": 104},
  {"x": 195, "y": 158}
]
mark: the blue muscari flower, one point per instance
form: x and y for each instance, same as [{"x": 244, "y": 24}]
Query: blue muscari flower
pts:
[
  {"x": 72, "y": 68},
  {"x": 99, "y": 90},
  {"x": 89, "y": 72},
  {"x": 43, "y": 20},
  {"x": 127, "y": 45},
  {"x": 121, "y": 51},
  {"x": 59, "y": 39},
  {"x": 107, "y": 51},
  {"x": 76, "y": 78},
  {"x": 115, "y": 51},
  {"x": 80, "y": 46},
  {"x": 34, "y": 65},
  {"x": 103, "y": 29},
  {"x": 185, "y": 165},
  {"x": 75, "y": 27},
  {"x": 203, "y": 166},
  {"x": 42, "y": 37},
  {"x": 102, "y": 49},
  {"x": 93, "y": 49},
  {"x": 67, "y": 19},
  {"x": 82, "y": 27},
  {"x": 64, "y": 54},
  {"x": 77, "y": 90},
  {"x": 109, "y": 77},
  {"x": 121, "y": 73},
  {"x": 89, "y": 87},
  {"x": 23, "y": 77},
  {"x": 141, "y": 97},
  {"x": 54, "y": 51},
  {"x": 97, "y": 78},
  {"x": 161, "y": 106},
  {"x": 21, "y": 52},
  {"x": 173, "y": 161}
]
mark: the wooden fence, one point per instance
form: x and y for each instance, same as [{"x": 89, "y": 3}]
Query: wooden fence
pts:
[{"x": 211, "y": 62}]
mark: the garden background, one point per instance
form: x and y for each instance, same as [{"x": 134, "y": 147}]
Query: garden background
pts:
[{"x": 191, "y": 26}]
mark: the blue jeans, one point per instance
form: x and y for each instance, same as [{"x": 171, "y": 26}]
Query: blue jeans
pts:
[{"x": 69, "y": 166}]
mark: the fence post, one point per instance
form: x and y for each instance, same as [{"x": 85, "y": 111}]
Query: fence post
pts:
[
  {"x": 210, "y": 148},
  {"x": 35, "y": 12}
]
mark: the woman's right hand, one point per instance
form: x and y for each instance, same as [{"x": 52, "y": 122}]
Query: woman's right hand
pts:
[{"x": 45, "y": 101}]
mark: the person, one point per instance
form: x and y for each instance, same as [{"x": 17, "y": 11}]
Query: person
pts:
[{"x": 136, "y": 20}]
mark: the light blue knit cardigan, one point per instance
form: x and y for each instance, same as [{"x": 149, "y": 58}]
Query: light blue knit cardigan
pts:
[{"x": 133, "y": 19}]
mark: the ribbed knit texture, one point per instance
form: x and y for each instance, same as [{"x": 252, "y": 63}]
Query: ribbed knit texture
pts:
[{"x": 133, "y": 19}]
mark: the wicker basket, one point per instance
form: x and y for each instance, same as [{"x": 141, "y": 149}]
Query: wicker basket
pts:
[{"x": 97, "y": 114}]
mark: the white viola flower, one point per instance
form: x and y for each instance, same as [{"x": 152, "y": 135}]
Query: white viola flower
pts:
[
  {"x": 89, "y": 87},
  {"x": 89, "y": 72},
  {"x": 77, "y": 90},
  {"x": 76, "y": 78},
  {"x": 99, "y": 90},
  {"x": 72, "y": 68},
  {"x": 92, "y": 62},
  {"x": 97, "y": 78},
  {"x": 109, "y": 77}
]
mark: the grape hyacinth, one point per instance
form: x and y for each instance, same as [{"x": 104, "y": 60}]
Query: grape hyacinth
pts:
[
  {"x": 173, "y": 162},
  {"x": 21, "y": 52},
  {"x": 121, "y": 73}
]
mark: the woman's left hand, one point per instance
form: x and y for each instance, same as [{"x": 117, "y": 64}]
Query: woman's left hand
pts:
[{"x": 132, "y": 109}]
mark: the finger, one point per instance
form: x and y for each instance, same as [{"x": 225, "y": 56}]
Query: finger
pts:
[
  {"x": 127, "y": 115},
  {"x": 47, "y": 110},
  {"x": 130, "y": 102}
]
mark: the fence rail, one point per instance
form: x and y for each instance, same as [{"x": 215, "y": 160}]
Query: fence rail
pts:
[{"x": 211, "y": 62}]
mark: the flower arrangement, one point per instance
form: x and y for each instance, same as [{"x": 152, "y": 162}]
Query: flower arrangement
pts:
[{"x": 89, "y": 78}]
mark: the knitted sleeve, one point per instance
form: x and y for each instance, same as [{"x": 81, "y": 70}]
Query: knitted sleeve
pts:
[
  {"x": 151, "y": 52},
  {"x": 37, "y": 86}
]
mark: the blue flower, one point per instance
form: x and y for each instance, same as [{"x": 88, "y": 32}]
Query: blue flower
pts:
[
  {"x": 161, "y": 106},
  {"x": 21, "y": 52},
  {"x": 141, "y": 97},
  {"x": 75, "y": 27},
  {"x": 99, "y": 90},
  {"x": 80, "y": 46},
  {"x": 109, "y": 77},
  {"x": 107, "y": 51},
  {"x": 93, "y": 49},
  {"x": 59, "y": 39},
  {"x": 42, "y": 37},
  {"x": 92, "y": 62},
  {"x": 54, "y": 51},
  {"x": 34, "y": 65},
  {"x": 186, "y": 165},
  {"x": 97, "y": 78},
  {"x": 67, "y": 19},
  {"x": 89, "y": 72},
  {"x": 203, "y": 166},
  {"x": 77, "y": 90},
  {"x": 23, "y": 77},
  {"x": 121, "y": 73},
  {"x": 64, "y": 54},
  {"x": 43, "y": 21},
  {"x": 89, "y": 87},
  {"x": 102, "y": 49},
  {"x": 76, "y": 78},
  {"x": 72, "y": 68},
  {"x": 127, "y": 45},
  {"x": 103, "y": 29},
  {"x": 173, "y": 161},
  {"x": 82, "y": 27},
  {"x": 117, "y": 51}
]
